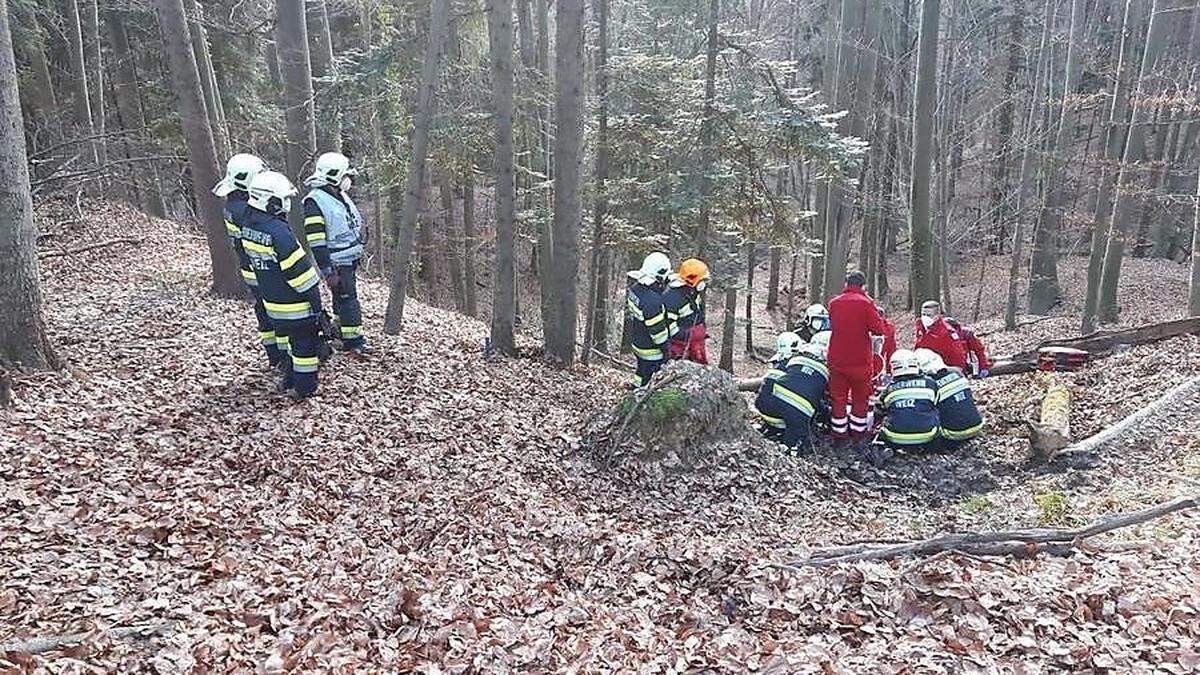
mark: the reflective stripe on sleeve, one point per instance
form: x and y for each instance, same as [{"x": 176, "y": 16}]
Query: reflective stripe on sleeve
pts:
[{"x": 292, "y": 259}]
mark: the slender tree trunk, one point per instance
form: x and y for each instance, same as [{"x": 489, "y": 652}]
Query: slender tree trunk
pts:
[
  {"x": 708, "y": 131},
  {"x": 1044, "y": 291},
  {"x": 921, "y": 284},
  {"x": 23, "y": 341},
  {"x": 40, "y": 92},
  {"x": 728, "y": 327},
  {"x": 1025, "y": 175},
  {"x": 596, "y": 330},
  {"x": 568, "y": 156},
  {"x": 470, "y": 294},
  {"x": 504, "y": 307},
  {"x": 773, "y": 277},
  {"x": 453, "y": 243},
  {"x": 208, "y": 80},
  {"x": 96, "y": 79},
  {"x": 748, "y": 308},
  {"x": 1012, "y": 72},
  {"x": 1115, "y": 136},
  {"x": 129, "y": 106},
  {"x": 329, "y": 121},
  {"x": 1161, "y": 18},
  {"x": 434, "y": 48},
  {"x": 291, "y": 35},
  {"x": 79, "y": 80},
  {"x": 1194, "y": 287},
  {"x": 202, "y": 154}
]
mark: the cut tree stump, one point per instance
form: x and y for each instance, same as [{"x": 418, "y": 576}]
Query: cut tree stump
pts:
[
  {"x": 1100, "y": 344},
  {"x": 1052, "y": 430},
  {"x": 1020, "y": 543}
]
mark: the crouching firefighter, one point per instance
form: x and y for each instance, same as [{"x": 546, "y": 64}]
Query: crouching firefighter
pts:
[
  {"x": 234, "y": 187},
  {"x": 910, "y": 402},
  {"x": 334, "y": 230},
  {"x": 958, "y": 416},
  {"x": 646, "y": 316},
  {"x": 287, "y": 282},
  {"x": 789, "y": 402},
  {"x": 684, "y": 302}
]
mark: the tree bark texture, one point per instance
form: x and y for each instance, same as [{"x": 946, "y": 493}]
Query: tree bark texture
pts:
[
  {"x": 921, "y": 284},
  {"x": 329, "y": 121},
  {"x": 504, "y": 303}
]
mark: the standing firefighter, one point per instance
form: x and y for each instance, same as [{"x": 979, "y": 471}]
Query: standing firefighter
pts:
[
  {"x": 286, "y": 281},
  {"x": 234, "y": 187},
  {"x": 649, "y": 328},
  {"x": 334, "y": 230},
  {"x": 911, "y": 405},
  {"x": 789, "y": 402},
  {"x": 958, "y": 415},
  {"x": 854, "y": 320},
  {"x": 684, "y": 302}
]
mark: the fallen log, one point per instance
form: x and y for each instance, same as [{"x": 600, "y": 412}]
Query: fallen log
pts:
[
  {"x": 1099, "y": 344},
  {"x": 1119, "y": 429},
  {"x": 1012, "y": 542},
  {"x": 90, "y": 247},
  {"x": 751, "y": 384},
  {"x": 1052, "y": 430},
  {"x": 41, "y": 645}
]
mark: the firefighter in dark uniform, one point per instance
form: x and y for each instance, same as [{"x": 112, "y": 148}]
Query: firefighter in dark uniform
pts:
[
  {"x": 787, "y": 345},
  {"x": 335, "y": 232},
  {"x": 910, "y": 402},
  {"x": 795, "y": 398},
  {"x": 646, "y": 316},
  {"x": 287, "y": 282},
  {"x": 684, "y": 301},
  {"x": 959, "y": 417},
  {"x": 233, "y": 187}
]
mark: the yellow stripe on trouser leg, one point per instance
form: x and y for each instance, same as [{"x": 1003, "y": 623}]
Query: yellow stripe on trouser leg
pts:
[
  {"x": 283, "y": 343},
  {"x": 776, "y": 422},
  {"x": 305, "y": 364},
  {"x": 268, "y": 337},
  {"x": 351, "y": 332}
]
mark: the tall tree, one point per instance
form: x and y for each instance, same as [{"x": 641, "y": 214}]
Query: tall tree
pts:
[
  {"x": 1014, "y": 61},
  {"x": 1044, "y": 289},
  {"x": 1162, "y": 13},
  {"x": 921, "y": 281},
  {"x": 291, "y": 36},
  {"x": 708, "y": 127},
  {"x": 129, "y": 106},
  {"x": 79, "y": 80},
  {"x": 435, "y": 47},
  {"x": 96, "y": 79},
  {"x": 1194, "y": 287},
  {"x": 1114, "y": 146},
  {"x": 504, "y": 305},
  {"x": 595, "y": 334},
  {"x": 469, "y": 242},
  {"x": 23, "y": 339},
  {"x": 201, "y": 151},
  {"x": 329, "y": 120},
  {"x": 568, "y": 157},
  {"x": 208, "y": 77}
]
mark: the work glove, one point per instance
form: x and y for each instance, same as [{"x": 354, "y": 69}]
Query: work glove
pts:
[{"x": 984, "y": 372}]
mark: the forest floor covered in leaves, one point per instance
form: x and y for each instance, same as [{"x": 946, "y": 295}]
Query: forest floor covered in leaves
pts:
[{"x": 431, "y": 510}]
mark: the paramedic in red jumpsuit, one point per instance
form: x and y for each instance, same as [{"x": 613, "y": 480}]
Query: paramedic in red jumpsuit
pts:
[{"x": 854, "y": 319}]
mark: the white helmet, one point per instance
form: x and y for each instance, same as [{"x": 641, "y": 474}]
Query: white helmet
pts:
[
  {"x": 929, "y": 361},
  {"x": 816, "y": 317},
  {"x": 331, "y": 169},
  {"x": 238, "y": 171},
  {"x": 931, "y": 308},
  {"x": 904, "y": 362},
  {"x": 656, "y": 268},
  {"x": 821, "y": 342},
  {"x": 787, "y": 345},
  {"x": 271, "y": 192}
]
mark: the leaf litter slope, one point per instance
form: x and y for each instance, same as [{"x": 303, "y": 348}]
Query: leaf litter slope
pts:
[{"x": 429, "y": 511}]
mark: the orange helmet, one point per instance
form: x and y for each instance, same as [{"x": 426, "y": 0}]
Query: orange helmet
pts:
[{"x": 693, "y": 271}]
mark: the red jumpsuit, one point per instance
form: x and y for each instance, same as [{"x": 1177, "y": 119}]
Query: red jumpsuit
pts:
[
  {"x": 977, "y": 358},
  {"x": 881, "y": 362},
  {"x": 944, "y": 339},
  {"x": 851, "y": 361}
]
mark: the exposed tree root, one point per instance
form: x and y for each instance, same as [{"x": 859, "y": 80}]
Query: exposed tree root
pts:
[{"x": 41, "y": 645}]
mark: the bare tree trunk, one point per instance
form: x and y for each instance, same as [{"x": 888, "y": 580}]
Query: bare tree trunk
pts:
[
  {"x": 453, "y": 243},
  {"x": 708, "y": 130},
  {"x": 291, "y": 36},
  {"x": 773, "y": 278},
  {"x": 568, "y": 156},
  {"x": 23, "y": 340},
  {"x": 595, "y": 334},
  {"x": 79, "y": 80},
  {"x": 434, "y": 48},
  {"x": 202, "y": 154},
  {"x": 1044, "y": 291},
  {"x": 728, "y": 327},
  {"x": 208, "y": 80},
  {"x": 1012, "y": 71},
  {"x": 748, "y": 309},
  {"x": 329, "y": 120},
  {"x": 921, "y": 284},
  {"x": 129, "y": 107},
  {"x": 40, "y": 94},
  {"x": 504, "y": 304},
  {"x": 469, "y": 243},
  {"x": 1161, "y": 17},
  {"x": 1025, "y": 174},
  {"x": 96, "y": 80},
  {"x": 1194, "y": 287}
]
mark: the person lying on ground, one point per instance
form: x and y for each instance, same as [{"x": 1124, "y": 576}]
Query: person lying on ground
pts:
[{"x": 958, "y": 417}]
